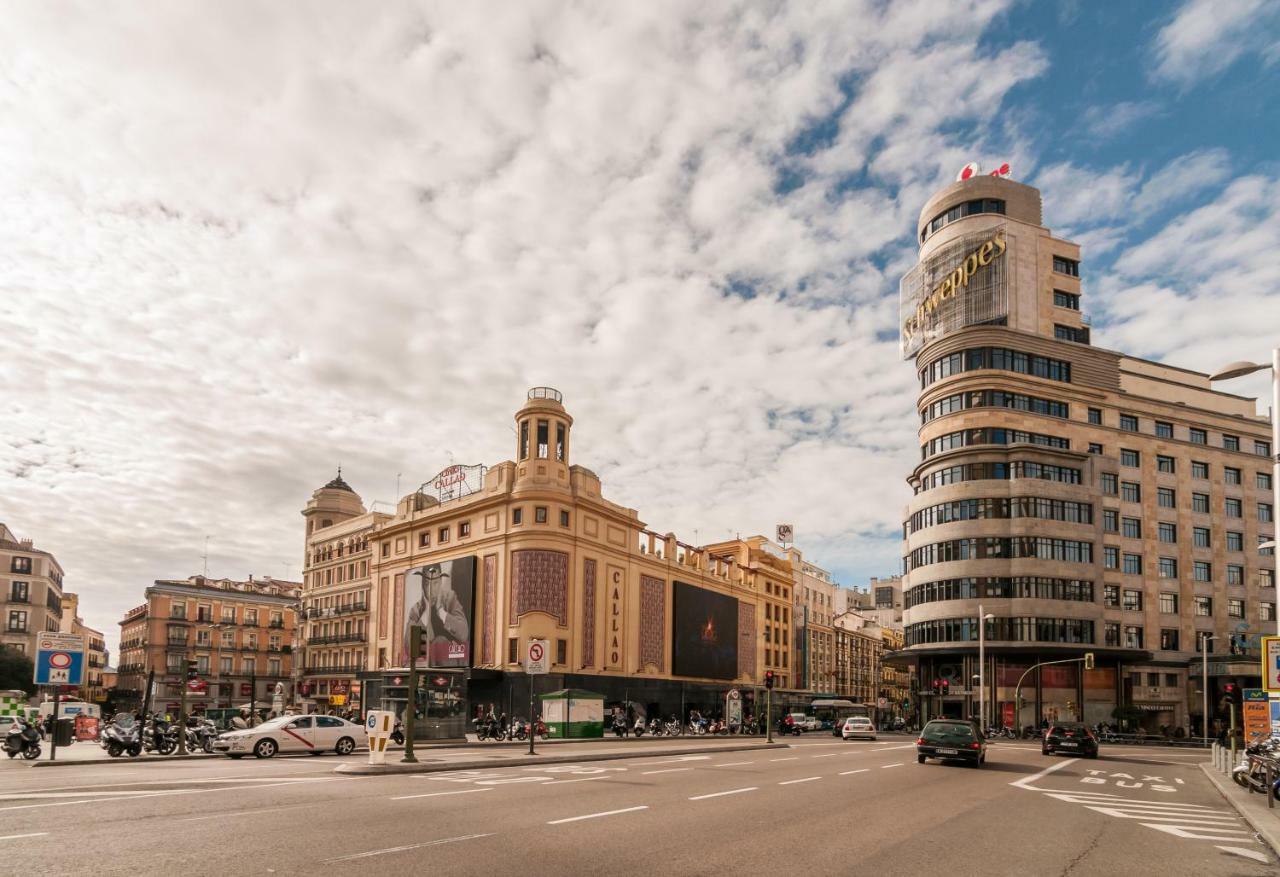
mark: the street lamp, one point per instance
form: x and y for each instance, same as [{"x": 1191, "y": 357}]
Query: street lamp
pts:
[
  {"x": 1204, "y": 683},
  {"x": 983, "y": 618},
  {"x": 1240, "y": 369}
]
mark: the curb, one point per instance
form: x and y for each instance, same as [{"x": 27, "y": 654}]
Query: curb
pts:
[
  {"x": 1268, "y": 829},
  {"x": 401, "y": 768},
  {"x": 124, "y": 759}
]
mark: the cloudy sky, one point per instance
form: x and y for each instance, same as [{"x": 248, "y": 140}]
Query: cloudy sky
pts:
[{"x": 243, "y": 244}]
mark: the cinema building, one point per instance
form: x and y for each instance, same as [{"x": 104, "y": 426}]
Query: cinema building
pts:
[
  {"x": 1084, "y": 500},
  {"x": 527, "y": 549}
]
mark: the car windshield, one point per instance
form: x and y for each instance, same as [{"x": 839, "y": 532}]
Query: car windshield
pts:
[{"x": 947, "y": 731}]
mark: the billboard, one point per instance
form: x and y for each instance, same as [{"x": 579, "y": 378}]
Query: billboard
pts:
[
  {"x": 440, "y": 597},
  {"x": 704, "y": 633},
  {"x": 454, "y": 482},
  {"x": 964, "y": 283}
]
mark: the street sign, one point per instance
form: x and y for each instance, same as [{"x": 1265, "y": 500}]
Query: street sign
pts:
[
  {"x": 59, "y": 659},
  {"x": 1271, "y": 663},
  {"x": 197, "y": 686},
  {"x": 536, "y": 660},
  {"x": 882, "y": 702},
  {"x": 1256, "y": 713}
]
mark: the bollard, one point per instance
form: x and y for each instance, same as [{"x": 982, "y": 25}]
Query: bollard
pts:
[
  {"x": 378, "y": 726},
  {"x": 1271, "y": 778}
]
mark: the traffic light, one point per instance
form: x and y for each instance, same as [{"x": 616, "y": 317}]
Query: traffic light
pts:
[
  {"x": 1231, "y": 693},
  {"x": 193, "y": 670},
  {"x": 768, "y": 679},
  {"x": 937, "y": 686},
  {"x": 906, "y": 703},
  {"x": 946, "y": 686},
  {"x": 1088, "y": 660},
  {"x": 420, "y": 644}
]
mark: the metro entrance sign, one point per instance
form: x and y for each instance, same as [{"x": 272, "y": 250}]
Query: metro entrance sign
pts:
[{"x": 59, "y": 659}]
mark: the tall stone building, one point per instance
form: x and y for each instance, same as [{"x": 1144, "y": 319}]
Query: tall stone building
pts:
[
  {"x": 95, "y": 649},
  {"x": 30, "y": 592}
]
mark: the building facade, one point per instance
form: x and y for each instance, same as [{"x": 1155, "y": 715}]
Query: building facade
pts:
[
  {"x": 532, "y": 549},
  {"x": 30, "y": 592},
  {"x": 95, "y": 649},
  {"x": 859, "y": 655},
  {"x": 814, "y": 608},
  {"x": 1088, "y": 500},
  {"x": 241, "y": 635}
]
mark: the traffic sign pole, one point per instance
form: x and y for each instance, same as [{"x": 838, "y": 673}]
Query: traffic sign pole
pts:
[
  {"x": 411, "y": 706},
  {"x": 535, "y": 664},
  {"x": 53, "y": 742}
]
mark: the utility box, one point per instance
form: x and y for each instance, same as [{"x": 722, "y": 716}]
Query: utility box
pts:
[{"x": 571, "y": 713}]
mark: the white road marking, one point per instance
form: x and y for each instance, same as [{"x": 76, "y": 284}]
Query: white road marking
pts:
[
  {"x": 682, "y": 759},
  {"x": 1025, "y": 782},
  {"x": 793, "y": 782},
  {"x": 1210, "y": 832},
  {"x": 598, "y": 815},
  {"x": 581, "y": 780},
  {"x": 733, "y": 763},
  {"x": 792, "y": 758},
  {"x": 827, "y": 755},
  {"x": 722, "y": 794},
  {"x": 245, "y": 812},
  {"x": 845, "y": 773},
  {"x": 438, "y": 794},
  {"x": 665, "y": 770},
  {"x": 896, "y": 764},
  {"x": 16, "y": 836},
  {"x": 1248, "y": 854},
  {"x": 430, "y": 843}
]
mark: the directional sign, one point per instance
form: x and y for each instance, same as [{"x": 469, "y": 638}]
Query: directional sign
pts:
[
  {"x": 536, "y": 661},
  {"x": 1271, "y": 663},
  {"x": 59, "y": 659}
]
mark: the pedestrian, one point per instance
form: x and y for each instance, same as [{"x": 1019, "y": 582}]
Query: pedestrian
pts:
[{"x": 240, "y": 722}]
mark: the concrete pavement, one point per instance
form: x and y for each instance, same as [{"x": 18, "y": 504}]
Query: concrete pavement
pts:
[{"x": 819, "y": 805}]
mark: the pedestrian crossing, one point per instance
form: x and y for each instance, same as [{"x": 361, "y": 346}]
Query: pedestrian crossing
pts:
[{"x": 1191, "y": 821}]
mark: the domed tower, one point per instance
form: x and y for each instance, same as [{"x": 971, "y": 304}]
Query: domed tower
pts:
[
  {"x": 542, "y": 441},
  {"x": 331, "y": 504}
]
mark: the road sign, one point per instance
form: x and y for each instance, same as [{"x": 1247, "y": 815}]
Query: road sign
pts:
[
  {"x": 536, "y": 660},
  {"x": 1271, "y": 663},
  {"x": 59, "y": 659},
  {"x": 197, "y": 686}
]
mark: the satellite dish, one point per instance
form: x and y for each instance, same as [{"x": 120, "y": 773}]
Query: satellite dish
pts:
[{"x": 972, "y": 169}]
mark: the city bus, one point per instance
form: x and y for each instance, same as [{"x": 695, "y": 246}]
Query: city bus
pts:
[{"x": 832, "y": 711}]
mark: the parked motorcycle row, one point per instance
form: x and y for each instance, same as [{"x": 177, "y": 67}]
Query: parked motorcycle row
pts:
[
  {"x": 498, "y": 730},
  {"x": 1250, "y": 772},
  {"x": 123, "y": 736}
]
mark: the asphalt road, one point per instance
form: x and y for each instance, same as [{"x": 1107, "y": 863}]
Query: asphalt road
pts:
[{"x": 821, "y": 805}]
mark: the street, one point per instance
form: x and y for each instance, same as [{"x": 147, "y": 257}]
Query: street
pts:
[{"x": 819, "y": 804}]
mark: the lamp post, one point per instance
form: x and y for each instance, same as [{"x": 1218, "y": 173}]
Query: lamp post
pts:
[
  {"x": 1240, "y": 369},
  {"x": 1204, "y": 683},
  {"x": 983, "y": 617}
]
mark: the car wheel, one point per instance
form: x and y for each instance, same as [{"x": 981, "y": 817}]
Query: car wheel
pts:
[
  {"x": 345, "y": 746},
  {"x": 1044, "y": 750},
  {"x": 873, "y": 739},
  {"x": 265, "y": 748},
  {"x": 921, "y": 759}
]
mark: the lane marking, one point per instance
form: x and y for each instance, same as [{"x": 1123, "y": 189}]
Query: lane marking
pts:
[
  {"x": 598, "y": 815},
  {"x": 792, "y": 758},
  {"x": 722, "y": 794},
  {"x": 845, "y": 773},
  {"x": 583, "y": 780},
  {"x": 1210, "y": 832},
  {"x": 682, "y": 759},
  {"x": 430, "y": 843},
  {"x": 245, "y": 812},
  {"x": 646, "y": 773},
  {"x": 16, "y": 836},
  {"x": 1248, "y": 854},
  {"x": 438, "y": 794},
  {"x": 805, "y": 780},
  {"x": 886, "y": 766},
  {"x": 1025, "y": 782},
  {"x": 827, "y": 755},
  {"x": 733, "y": 763}
]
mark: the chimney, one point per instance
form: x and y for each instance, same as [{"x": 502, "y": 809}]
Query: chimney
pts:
[{"x": 26, "y": 543}]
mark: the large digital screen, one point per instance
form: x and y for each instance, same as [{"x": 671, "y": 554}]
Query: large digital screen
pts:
[
  {"x": 441, "y": 598},
  {"x": 704, "y": 633}
]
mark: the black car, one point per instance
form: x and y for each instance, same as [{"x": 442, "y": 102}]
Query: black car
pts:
[
  {"x": 957, "y": 739},
  {"x": 1070, "y": 738}
]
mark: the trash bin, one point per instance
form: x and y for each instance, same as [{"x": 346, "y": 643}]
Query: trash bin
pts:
[{"x": 64, "y": 731}]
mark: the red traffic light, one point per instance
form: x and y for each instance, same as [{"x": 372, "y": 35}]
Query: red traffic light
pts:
[{"x": 768, "y": 679}]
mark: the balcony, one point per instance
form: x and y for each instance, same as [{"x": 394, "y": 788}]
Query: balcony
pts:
[
  {"x": 334, "y": 611},
  {"x": 354, "y": 667},
  {"x": 334, "y": 639},
  {"x": 276, "y": 625},
  {"x": 19, "y": 598}
]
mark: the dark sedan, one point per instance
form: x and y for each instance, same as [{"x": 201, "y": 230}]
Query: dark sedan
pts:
[
  {"x": 1070, "y": 738},
  {"x": 952, "y": 739}
]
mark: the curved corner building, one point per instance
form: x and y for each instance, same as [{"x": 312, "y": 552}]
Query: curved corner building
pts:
[{"x": 1086, "y": 500}]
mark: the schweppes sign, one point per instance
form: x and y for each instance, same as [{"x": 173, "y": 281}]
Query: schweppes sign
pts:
[{"x": 954, "y": 284}]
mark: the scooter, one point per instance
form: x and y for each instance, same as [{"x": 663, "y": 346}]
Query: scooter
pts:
[
  {"x": 619, "y": 726},
  {"x": 119, "y": 741},
  {"x": 397, "y": 733},
  {"x": 22, "y": 739}
]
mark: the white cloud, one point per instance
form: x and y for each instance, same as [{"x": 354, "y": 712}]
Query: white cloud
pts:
[
  {"x": 1105, "y": 122},
  {"x": 1205, "y": 37}
]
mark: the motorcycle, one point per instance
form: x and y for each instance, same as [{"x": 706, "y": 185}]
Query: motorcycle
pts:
[
  {"x": 202, "y": 736},
  {"x": 159, "y": 737},
  {"x": 397, "y": 733},
  {"x": 673, "y": 728},
  {"x": 119, "y": 739},
  {"x": 22, "y": 739},
  {"x": 656, "y": 728},
  {"x": 619, "y": 726},
  {"x": 488, "y": 730}
]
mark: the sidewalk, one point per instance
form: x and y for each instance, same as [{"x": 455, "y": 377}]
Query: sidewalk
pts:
[{"x": 1251, "y": 805}]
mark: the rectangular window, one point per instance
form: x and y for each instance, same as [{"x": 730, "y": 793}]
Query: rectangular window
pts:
[
  {"x": 1095, "y": 448},
  {"x": 1202, "y": 571},
  {"x": 1132, "y": 564},
  {"x": 1129, "y": 458},
  {"x": 1199, "y": 470},
  {"x": 20, "y": 592},
  {"x": 1132, "y": 600},
  {"x": 442, "y": 535},
  {"x": 1265, "y": 552},
  {"x": 1111, "y": 633},
  {"x": 560, "y": 447},
  {"x": 1171, "y": 679},
  {"x": 1200, "y": 503},
  {"x": 1235, "y": 541},
  {"x": 464, "y": 529},
  {"x": 1070, "y": 333},
  {"x": 1167, "y": 497},
  {"x": 513, "y": 649},
  {"x": 544, "y": 437},
  {"x": 1263, "y": 481},
  {"x": 17, "y": 621},
  {"x": 1132, "y": 528},
  {"x": 1169, "y": 639},
  {"x": 1266, "y": 578},
  {"x": 517, "y": 516},
  {"x": 524, "y": 440},
  {"x": 424, "y": 539},
  {"x": 564, "y": 518},
  {"x": 1233, "y": 508},
  {"x": 1204, "y": 606},
  {"x": 1066, "y": 300},
  {"x": 1200, "y": 537},
  {"x": 1235, "y": 574},
  {"x": 539, "y": 514},
  {"x": 1198, "y": 436},
  {"x": 1230, "y": 442},
  {"x": 1266, "y": 611},
  {"x": 1153, "y": 680},
  {"x": 1169, "y": 604},
  {"x": 1069, "y": 267},
  {"x": 1095, "y": 416},
  {"x": 1167, "y": 532},
  {"x": 386, "y": 549},
  {"x": 224, "y": 665},
  {"x": 1230, "y": 475},
  {"x": 1132, "y": 636},
  {"x": 1164, "y": 430},
  {"x": 1264, "y": 512},
  {"x": 250, "y": 666},
  {"x": 1109, "y": 481},
  {"x": 1111, "y": 596},
  {"x": 1110, "y": 521},
  {"x": 1129, "y": 422},
  {"x": 1130, "y": 491},
  {"x": 562, "y": 651},
  {"x": 1262, "y": 449},
  {"x": 1168, "y": 567},
  {"x": 1110, "y": 557},
  {"x": 1166, "y": 464}
]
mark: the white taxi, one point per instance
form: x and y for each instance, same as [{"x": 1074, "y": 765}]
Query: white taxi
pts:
[
  {"x": 858, "y": 726},
  {"x": 310, "y": 734}
]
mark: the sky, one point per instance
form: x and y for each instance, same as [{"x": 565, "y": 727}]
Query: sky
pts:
[{"x": 243, "y": 245}]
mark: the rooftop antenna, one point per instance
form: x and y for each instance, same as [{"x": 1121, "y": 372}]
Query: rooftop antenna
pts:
[
  {"x": 397, "y": 497},
  {"x": 205, "y": 574},
  {"x": 287, "y": 566}
]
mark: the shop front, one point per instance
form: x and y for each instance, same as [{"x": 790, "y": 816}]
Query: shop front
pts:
[{"x": 440, "y": 712}]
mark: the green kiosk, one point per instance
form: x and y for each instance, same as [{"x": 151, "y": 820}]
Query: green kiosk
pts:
[{"x": 573, "y": 713}]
